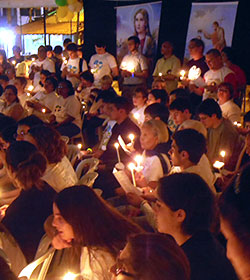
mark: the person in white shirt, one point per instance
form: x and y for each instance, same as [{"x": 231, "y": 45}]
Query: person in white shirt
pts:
[
  {"x": 229, "y": 109},
  {"x": 43, "y": 103},
  {"x": 42, "y": 63},
  {"x": 139, "y": 101},
  {"x": 134, "y": 68},
  {"x": 66, "y": 112},
  {"x": 20, "y": 84},
  {"x": 187, "y": 148},
  {"x": 102, "y": 63},
  {"x": 74, "y": 66}
]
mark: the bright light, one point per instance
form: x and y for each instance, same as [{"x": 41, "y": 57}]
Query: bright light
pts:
[
  {"x": 79, "y": 146},
  {"x": 28, "y": 94},
  {"x": 131, "y": 166},
  {"x": 13, "y": 62},
  {"x": 44, "y": 110},
  {"x": 69, "y": 276},
  {"x": 116, "y": 145},
  {"x": 194, "y": 73},
  {"x": 218, "y": 164},
  {"x": 138, "y": 159},
  {"x": 131, "y": 137},
  {"x": 160, "y": 74},
  {"x": 136, "y": 116},
  {"x": 7, "y": 39},
  {"x": 223, "y": 153},
  {"x": 182, "y": 73},
  {"x": 30, "y": 88}
]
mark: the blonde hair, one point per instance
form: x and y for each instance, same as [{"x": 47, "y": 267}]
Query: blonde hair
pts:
[
  {"x": 159, "y": 128},
  {"x": 196, "y": 125}
]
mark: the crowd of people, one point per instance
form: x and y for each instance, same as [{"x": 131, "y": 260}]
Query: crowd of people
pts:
[{"x": 171, "y": 196}]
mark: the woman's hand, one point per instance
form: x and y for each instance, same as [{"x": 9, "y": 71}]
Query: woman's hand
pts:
[{"x": 140, "y": 180}]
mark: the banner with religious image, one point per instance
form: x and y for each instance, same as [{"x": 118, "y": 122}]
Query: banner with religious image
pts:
[
  {"x": 213, "y": 23},
  {"x": 141, "y": 20}
]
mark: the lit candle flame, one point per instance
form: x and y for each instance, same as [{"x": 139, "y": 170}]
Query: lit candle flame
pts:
[
  {"x": 223, "y": 153},
  {"x": 28, "y": 94},
  {"x": 131, "y": 166},
  {"x": 131, "y": 137},
  {"x": 30, "y": 88},
  {"x": 182, "y": 73},
  {"x": 116, "y": 145},
  {"x": 69, "y": 276},
  {"x": 194, "y": 73},
  {"x": 136, "y": 116},
  {"x": 44, "y": 110},
  {"x": 13, "y": 62},
  {"x": 218, "y": 164},
  {"x": 160, "y": 74},
  {"x": 138, "y": 159},
  {"x": 79, "y": 145}
]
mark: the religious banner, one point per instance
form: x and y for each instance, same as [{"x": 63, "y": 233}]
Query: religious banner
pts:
[
  {"x": 141, "y": 20},
  {"x": 213, "y": 23}
]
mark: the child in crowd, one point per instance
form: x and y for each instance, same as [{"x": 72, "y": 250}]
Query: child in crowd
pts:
[{"x": 139, "y": 101}]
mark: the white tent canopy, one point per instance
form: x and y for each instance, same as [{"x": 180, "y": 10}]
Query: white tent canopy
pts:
[{"x": 27, "y": 3}]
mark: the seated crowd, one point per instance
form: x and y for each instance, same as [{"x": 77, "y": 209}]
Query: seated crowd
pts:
[{"x": 157, "y": 187}]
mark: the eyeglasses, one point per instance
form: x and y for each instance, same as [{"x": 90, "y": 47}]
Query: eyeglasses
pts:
[{"x": 119, "y": 269}]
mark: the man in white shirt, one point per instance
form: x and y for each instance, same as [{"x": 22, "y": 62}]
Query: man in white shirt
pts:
[
  {"x": 74, "y": 66},
  {"x": 102, "y": 63},
  {"x": 42, "y": 63},
  {"x": 187, "y": 148},
  {"x": 229, "y": 109},
  {"x": 134, "y": 68}
]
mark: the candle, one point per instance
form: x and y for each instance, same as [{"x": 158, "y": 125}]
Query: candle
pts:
[
  {"x": 182, "y": 73},
  {"x": 117, "y": 151},
  {"x": 136, "y": 116},
  {"x": 79, "y": 145},
  {"x": 160, "y": 74},
  {"x": 218, "y": 164},
  {"x": 28, "y": 94},
  {"x": 69, "y": 276},
  {"x": 30, "y": 88},
  {"x": 194, "y": 73},
  {"x": 132, "y": 138},
  {"x": 43, "y": 110},
  {"x": 138, "y": 159},
  {"x": 33, "y": 59},
  {"x": 132, "y": 167},
  {"x": 13, "y": 62},
  {"x": 223, "y": 154}
]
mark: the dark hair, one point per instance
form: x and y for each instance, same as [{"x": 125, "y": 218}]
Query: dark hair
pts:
[
  {"x": 14, "y": 90},
  {"x": 191, "y": 141},
  {"x": 4, "y": 78},
  {"x": 210, "y": 107},
  {"x": 72, "y": 47},
  {"x": 66, "y": 41},
  {"x": 234, "y": 206},
  {"x": 69, "y": 86},
  {"x": 58, "y": 49},
  {"x": 198, "y": 43},
  {"x": 27, "y": 162},
  {"x": 30, "y": 121},
  {"x": 1, "y": 90},
  {"x": 214, "y": 52},
  {"x": 100, "y": 43},
  {"x": 49, "y": 48},
  {"x": 43, "y": 48},
  {"x": 179, "y": 92},
  {"x": 229, "y": 87},
  {"x": 229, "y": 53},
  {"x": 45, "y": 73},
  {"x": 88, "y": 76},
  {"x": 160, "y": 94},
  {"x": 53, "y": 81},
  {"x": 95, "y": 223},
  {"x": 106, "y": 95},
  {"x": 6, "y": 121},
  {"x": 157, "y": 110},
  {"x": 135, "y": 39},
  {"x": 22, "y": 80},
  {"x": 247, "y": 117},
  {"x": 141, "y": 90},
  {"x": 49, "y": 142},
  {"x": 181, "y": 104},
  {"x": 188, "y": 191},
  {"x": 157, "y": 257},
  {"x": 121, "y": 103},
  {"x": 8, "y": 133}
]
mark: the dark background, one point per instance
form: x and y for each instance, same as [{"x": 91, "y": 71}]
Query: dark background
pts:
[{"x": 100, "y": 22}]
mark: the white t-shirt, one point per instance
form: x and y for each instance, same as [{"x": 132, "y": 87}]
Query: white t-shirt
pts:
[
  {"x": 152, "y": 167},
  {"x": 101, "y": 65},
  {"x": 48, "y": 100},
  {"x": 47, "y": 64},
  {"x": 73, "y": 67},
  {"x": 139, "y": 63},
  {"x": 231, "y": 111},
  {"x": 140, "y": 112},
  {"x": 65, "y": 107}
]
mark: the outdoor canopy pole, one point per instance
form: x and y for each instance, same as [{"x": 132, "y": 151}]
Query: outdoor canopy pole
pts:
[
  {"x": 77, "y": 27},
  {"x": 44, "y": 25}
]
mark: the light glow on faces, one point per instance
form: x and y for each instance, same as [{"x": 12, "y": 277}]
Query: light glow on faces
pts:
[{"x": 69, "y": 276}]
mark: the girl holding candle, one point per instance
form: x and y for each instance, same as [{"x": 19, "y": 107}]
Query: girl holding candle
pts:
[
  {"x": 95, "y": 230},
  {"x": 139, "y": 101}
]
